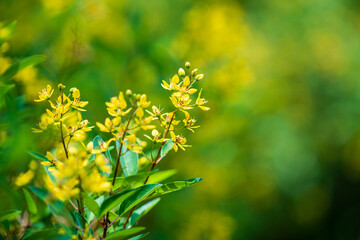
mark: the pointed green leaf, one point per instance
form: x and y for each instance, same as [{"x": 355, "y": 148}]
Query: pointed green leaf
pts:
[
  {"x": 161, "y": 175},
  {"x": 9, "y": 214},
  {"x": 139, "y": 178},
  {"x": 175, "y": 186},
  {"x": 20, "y": 65},
  {"x": 79, "y": 220},
  {"x": 124, "y": 233},
  {"x": 91, "y": 204},
  {"x": 40, "y": 192},
  {"x": 113, "y": 201},
  {"x": 41, "y": 234},
  {"x": 30, "y": 202},
  {"x": 124, "y": 182},
  {"x": 139, "y": 236},
  {"x": 141, "y": 211},
  {"x": 38, "y": 156},
  {"x": 141, "y": 193},
  {"x": 129, "y": 162}
]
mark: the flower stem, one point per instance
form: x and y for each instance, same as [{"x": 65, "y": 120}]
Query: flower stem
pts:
[
  {"x": 106, "y": 219},
  {"x": 153, "y": 164}
]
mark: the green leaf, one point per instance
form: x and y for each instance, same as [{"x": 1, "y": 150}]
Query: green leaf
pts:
[
  {"x": 113, "y": 201},
  {"x": 113, "y": 216},
  {"x": 139, "y": 178},
  {"x": 124, "y": 233},
  {"x": 40, "y": 192},
  {"x": 140, "y": 194},
  {"x": 41, "y": 234},
  {"x": 124, "y": 182},
  {"x": 30, "y": 202},
  {"x": 129, "y": 161},
  {"x": 38, "y": 156},
  {"x": 175, "y": 186},
  {"x": 79, "y": 219},
  {"x": 141, "y": 211},
  {"x": 5, "y": 88},
  {"x": 139, "y": 236},
  {"x": 9, "y": 214},
  {"x": 20, "y": 65},
  {"x": 91, "y": 204},
  {"x": 166, "y": 148},
  {"x": 61, "y": 212},
  {"x": 161, "y": 175}
]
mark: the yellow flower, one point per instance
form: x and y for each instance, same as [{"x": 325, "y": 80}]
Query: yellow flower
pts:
[
  {"x": 108, "y": 126},
  {"x": 173, "y": 83},
  {"x": 77, "y": 103},
  {"x": 156, "y": 136},
  {"x": 24, "y": 178},
  {"x": 51, "y": 161},
  {"x": 143, "y": 103},
  {"x": 103, "y": 147},
  {"x": 64, "y": 190},
  {"x": 131, "y": 143},
  {"x": 45, "y": 94},
  {"x": 201, "y": 101},
  {"x": 181, "y": 102},
  {"x": 178, "y": 141},
  {"x": 94, "y": 182},
  {"x": 117, "y": 102},
  {"x": 103, "y": 163},
  {"x": 189, "y": 123}
]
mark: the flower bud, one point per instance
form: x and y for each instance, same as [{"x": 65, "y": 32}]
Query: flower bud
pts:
[
  {"x": 128, "y": 93},
  {"x": 61, "y": 87},
  {"x": 194, "y": 72},
  {"x": 181, "y": 72},
  {"x": 137, "y": 97},
  {"x": 187, "y": 65},
  {"x": 199, "y": 77}
]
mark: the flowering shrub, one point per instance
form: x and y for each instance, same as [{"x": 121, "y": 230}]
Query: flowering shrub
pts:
[{"x": 101, "y": 188}]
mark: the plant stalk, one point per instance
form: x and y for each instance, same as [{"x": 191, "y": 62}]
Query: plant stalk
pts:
[
  {"x": 152, "y": 165},
  {"x": 106, "y": 219}
]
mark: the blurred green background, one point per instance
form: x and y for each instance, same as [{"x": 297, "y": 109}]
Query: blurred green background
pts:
[{"x": 280, "y": 148}]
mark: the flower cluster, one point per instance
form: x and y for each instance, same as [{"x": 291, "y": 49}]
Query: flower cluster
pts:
[
  {"x": 69, "y": 166},
  {"x": 181, "y": 86},
  {"x": 76, "y": 170},
  {"x": 126, "y": 119}
]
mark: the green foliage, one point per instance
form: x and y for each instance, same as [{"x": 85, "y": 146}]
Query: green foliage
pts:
[
  {"x": 86, "y": 191},
  {"x": 129, "y": 161},
  {"x": 30, "y": 202},
  {"x": 140, "y": 194},
  {"x": 9, "y": 214},
  {"x": 20, "y": 65},
  {"x": 141, "y": 211},
  {"x": 124, "y": 233},
  {"x": 174, "y": 186},
  {"x": 38, "y": 156},
  {"x": 114, "y": 201}
]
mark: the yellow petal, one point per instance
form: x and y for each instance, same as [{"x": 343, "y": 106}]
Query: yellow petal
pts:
[
  {"x": 76, "y": 93},
  {"x": 204, "y": 108},
  {"x": 49, "y": 156},
  {"x": 187, "y": 81},
  {"x": 192, "y": 90},
  {"x": 45, "y": 163},
  {"x": 175, "y": 79}
]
